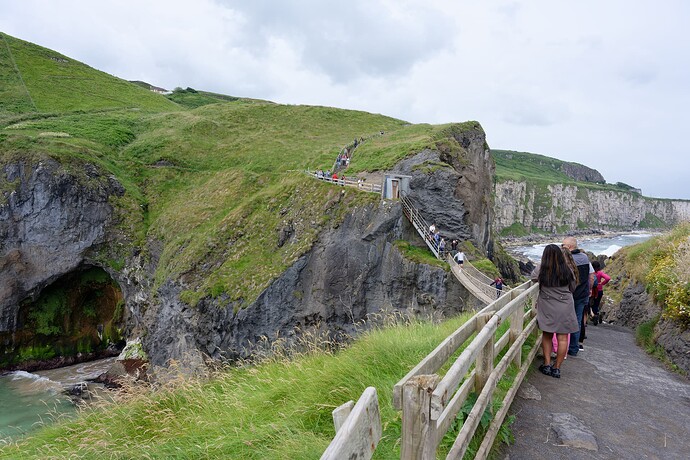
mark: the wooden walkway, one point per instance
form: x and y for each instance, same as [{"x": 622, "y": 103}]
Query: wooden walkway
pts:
[{"x": 476, "y": 282}]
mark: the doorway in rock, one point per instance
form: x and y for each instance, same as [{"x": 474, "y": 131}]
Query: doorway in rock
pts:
[{"x": 75, "y": 318}]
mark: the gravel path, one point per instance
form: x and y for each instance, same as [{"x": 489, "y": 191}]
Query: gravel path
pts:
[{"x": 613, "y": 401}]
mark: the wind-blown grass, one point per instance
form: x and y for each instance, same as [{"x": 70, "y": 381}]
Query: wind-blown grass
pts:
[{"x": 279, "y": 409}]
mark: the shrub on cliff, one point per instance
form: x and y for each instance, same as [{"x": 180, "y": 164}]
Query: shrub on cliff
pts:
[{"x": 662, "y": 264}]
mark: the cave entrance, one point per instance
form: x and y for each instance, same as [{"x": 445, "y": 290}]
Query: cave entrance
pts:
[{"x": 75, "y": 318}]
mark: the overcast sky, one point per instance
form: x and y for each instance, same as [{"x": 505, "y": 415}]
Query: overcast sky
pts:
[{"x": 603, "y": 83}]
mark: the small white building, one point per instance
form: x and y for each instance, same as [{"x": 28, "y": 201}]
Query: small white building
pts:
[{"x": 394, "y": 185}]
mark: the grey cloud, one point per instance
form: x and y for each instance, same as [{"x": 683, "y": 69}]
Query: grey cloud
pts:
[
  {"x": 526, "y": 112},
  {"x": 346, "y": 40},
  {"x": 639, "y": 76}
]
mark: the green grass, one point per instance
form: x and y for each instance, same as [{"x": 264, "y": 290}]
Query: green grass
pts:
[
  {"x": 192, "y": 98},
  {"x": 216, "y": 184},
  {"x": 487, "y": 267},
  {"x": 57, "y": 83},
  {"x": 420, "y": 255},
  {"x": 14, "y": 97},
  {"x": 278, "y": 409},
  {"x": 541, "y": 170}
]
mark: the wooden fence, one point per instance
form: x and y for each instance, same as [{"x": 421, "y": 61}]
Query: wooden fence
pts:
[
  {"x": 357, "y": 429},
  {"x": 431, "y": 403},
  {"x": 364, "y": 186}
]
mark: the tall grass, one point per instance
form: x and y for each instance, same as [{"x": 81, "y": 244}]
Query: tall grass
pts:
[{"x": 278, "y": 409}]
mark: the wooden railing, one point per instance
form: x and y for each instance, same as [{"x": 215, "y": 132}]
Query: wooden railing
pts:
[
  {"x": 357, "y": 429},
  {"x": 431, "y": 403},
  {"x": 371, "y": 187}
]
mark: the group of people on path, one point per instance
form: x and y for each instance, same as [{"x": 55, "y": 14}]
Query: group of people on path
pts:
[
  {"x": 459, "y": 256},
  {"x": 441, "y": 246},
  {"x": 568, "y": 285}
]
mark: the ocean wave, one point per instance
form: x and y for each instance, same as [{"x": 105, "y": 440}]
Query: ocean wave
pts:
[
  {"x": 611, "y": 250},
  {"x": 28, "y": 383}
]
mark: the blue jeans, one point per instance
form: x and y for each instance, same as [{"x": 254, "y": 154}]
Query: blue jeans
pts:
[{"x": 575, "y": 336}]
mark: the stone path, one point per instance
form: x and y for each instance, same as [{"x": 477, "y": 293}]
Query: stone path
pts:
[{"x": 613, "y": 401}]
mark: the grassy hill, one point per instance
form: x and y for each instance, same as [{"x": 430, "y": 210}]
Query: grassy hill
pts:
[
  {"x": 540, "y": 169},
  {"x": 36, "y": 79},
  {"x": 211, "y": 177}
]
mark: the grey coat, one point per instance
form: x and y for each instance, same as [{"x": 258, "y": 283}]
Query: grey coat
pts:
[{"x": 556, "y": 308}]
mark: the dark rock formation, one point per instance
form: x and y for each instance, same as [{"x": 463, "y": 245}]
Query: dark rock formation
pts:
[
  {"x": 353, "y": 271},
  {"x": 676, "y": 341},
  {"x": 452, "y": 186},
  {"x": 637, "y": 307},
  {"x": 582, "y": 173},
  {"x": 48, "y": 224}
]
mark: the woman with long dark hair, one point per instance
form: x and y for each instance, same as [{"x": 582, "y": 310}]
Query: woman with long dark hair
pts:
[{"x": 555, "y": 307}]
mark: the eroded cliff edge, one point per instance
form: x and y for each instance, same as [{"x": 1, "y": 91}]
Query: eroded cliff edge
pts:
[{"x": 60, "y": 219}]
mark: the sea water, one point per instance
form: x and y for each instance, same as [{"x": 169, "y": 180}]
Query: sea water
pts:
[
  {"x": 30, "y": 400},
  {"x": 607, "y": 245}
]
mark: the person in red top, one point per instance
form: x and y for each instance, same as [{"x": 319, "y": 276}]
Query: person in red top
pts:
[{"x": 602, "y": 279}]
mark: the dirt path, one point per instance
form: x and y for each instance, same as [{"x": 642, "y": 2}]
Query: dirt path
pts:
[{"x": 612, "y": 402}]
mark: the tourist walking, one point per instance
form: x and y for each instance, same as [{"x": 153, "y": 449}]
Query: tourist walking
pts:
[
  {"x": 460, "y": 258},
  {"x": 555, "y": 306},
  {"x": 442, "y": 247},
  {"x": 585, "y": 277},
  {"x": 498, "y": 282},
  {"x": 602, "y": 279}
]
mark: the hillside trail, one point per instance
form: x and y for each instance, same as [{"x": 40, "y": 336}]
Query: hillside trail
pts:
[{"x": 613, "y": 401}]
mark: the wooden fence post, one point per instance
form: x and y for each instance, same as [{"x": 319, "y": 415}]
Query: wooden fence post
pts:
[
  {"x": 485, "y": 358},
  {"x": 358, "y": 429},
  {"x": 341, "y": 413},
  {"x": 516, "y": 326},
  {"x": 418, "y": 433}
]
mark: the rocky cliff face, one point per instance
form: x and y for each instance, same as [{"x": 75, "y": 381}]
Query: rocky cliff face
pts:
[
  {"x": 55, "y": 221},
  {"x": 560, "y": 208},
  {"x": 637, "y": 307},
  {"x": 582, "y": 173},
  {"x": 354, "y": 270},
  {"x": 52, "y": 222},
  {"x": 451, "y": 186}
]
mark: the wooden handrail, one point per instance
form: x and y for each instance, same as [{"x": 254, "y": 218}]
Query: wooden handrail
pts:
[
  {"x": 434, "y": 414},
  {"x": 357, "y": 428}
]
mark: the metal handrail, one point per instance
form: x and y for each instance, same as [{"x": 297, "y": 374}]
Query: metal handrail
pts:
[{"x": 419, "y": 224}]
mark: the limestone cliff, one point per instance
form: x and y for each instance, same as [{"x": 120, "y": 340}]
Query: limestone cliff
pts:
[{"x": 559, "y": 208}]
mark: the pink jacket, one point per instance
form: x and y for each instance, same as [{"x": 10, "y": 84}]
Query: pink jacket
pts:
[{"x": 602, "y": 278}]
